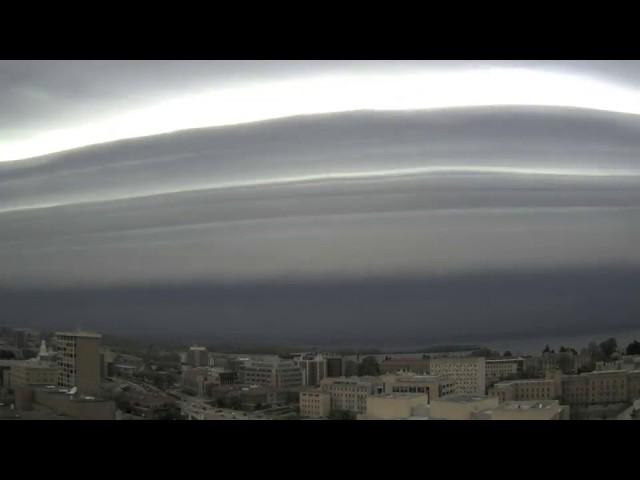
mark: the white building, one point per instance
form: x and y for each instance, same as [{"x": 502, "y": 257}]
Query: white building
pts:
[
  {"x": 503, "y": 368},
  {"x": 350, "y": 393},
  {"x": 271, "y": 371},
  {"x": 468, "y": 373}
]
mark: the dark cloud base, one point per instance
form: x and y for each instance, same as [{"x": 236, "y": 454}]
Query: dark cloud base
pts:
[{"x": 372, "y": 311}]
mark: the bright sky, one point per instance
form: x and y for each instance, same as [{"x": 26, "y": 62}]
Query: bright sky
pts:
[{"x": 336, "y": 93}]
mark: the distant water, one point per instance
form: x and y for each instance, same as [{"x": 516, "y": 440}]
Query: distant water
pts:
[{"x": 535, "y": 344}]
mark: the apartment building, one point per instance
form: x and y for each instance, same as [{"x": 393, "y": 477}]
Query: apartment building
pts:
[
  {"x": 468, "y": 373},
  {"x": 501, "y": 369},
  {"x": 594, "y": 388},
  {"x": 548, "y": 388},
  {"x": 315, "y": 404},
  {"x": 600, "y": 387}
]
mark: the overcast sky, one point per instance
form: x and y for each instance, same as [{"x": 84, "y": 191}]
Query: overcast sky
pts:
[{"x": 435, "y": 215}]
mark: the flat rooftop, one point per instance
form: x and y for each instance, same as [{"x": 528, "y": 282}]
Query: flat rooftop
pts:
[
  {"x": 462, "y": 398},
  {"x": 528, "y": 405},
  {"x": 398, "y": 395},
  {"x": 606, "y": 372},
  {"x": 54, "y": 390},
  {"x": 408, "y": 377},
  {"x": 525, "y": 380},
  {"x": 505, "y": 360}
]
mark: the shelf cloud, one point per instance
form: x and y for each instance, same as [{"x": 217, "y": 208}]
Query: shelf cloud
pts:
[{"x": 476, "y": 188}]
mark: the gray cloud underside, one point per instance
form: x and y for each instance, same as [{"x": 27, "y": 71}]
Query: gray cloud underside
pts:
[
  {"x": 238, "y": 230},
  {"x": 175, "y": 220},
  {"x": 389, "y": 311}
]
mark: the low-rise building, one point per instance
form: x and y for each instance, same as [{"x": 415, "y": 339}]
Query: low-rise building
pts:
[
  {"x": 252, "y": 396},
  {"x": 315, "y": 404},
  {"x": 418, "y": 365},
  {"x": 461, "y": 406},
  {"x": 627, "y": 362},
  {"x": 199, "y": 381},
  {"x": 525, "y": 410},
  {"x": 431, "y": 386},
  {"x": 350, "y": 393},
  {"x": 81, "y": 407},
  {"x": 394, "y": 406},
  {"x": 29, "y": 373},
  {"x": 528, "y": 389},
  {"x": 599, "y": 387}
]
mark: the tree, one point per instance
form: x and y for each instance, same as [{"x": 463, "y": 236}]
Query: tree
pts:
[
  {"x": 221, "y": 402},
  {"x": 608, "y": 347},
  {"x": 507, "y": 353},
  {"x": 595, "y": 352},
  {"x": 633, "y": 348},
  {"x": 341, "y": 415},
  {"x": 485, "y": 352},
  {"x": 369, "y": 366},
  {"x": 235, "y": 403},
  {"x": 546, "y": 349}
]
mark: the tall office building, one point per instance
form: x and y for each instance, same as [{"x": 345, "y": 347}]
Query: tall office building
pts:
[
  {"x": 79, "y": 361},
  {"x": 198, "y": 356},
  {"x": 314, "y": 368},
  {"x": 335, "y": 366}
]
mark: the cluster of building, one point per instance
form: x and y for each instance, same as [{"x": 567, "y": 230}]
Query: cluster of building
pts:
[
  {"x": 65, "y": 379},
  {"x": 76, "y": 377},
  {"x": 475, "y": 388}
]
